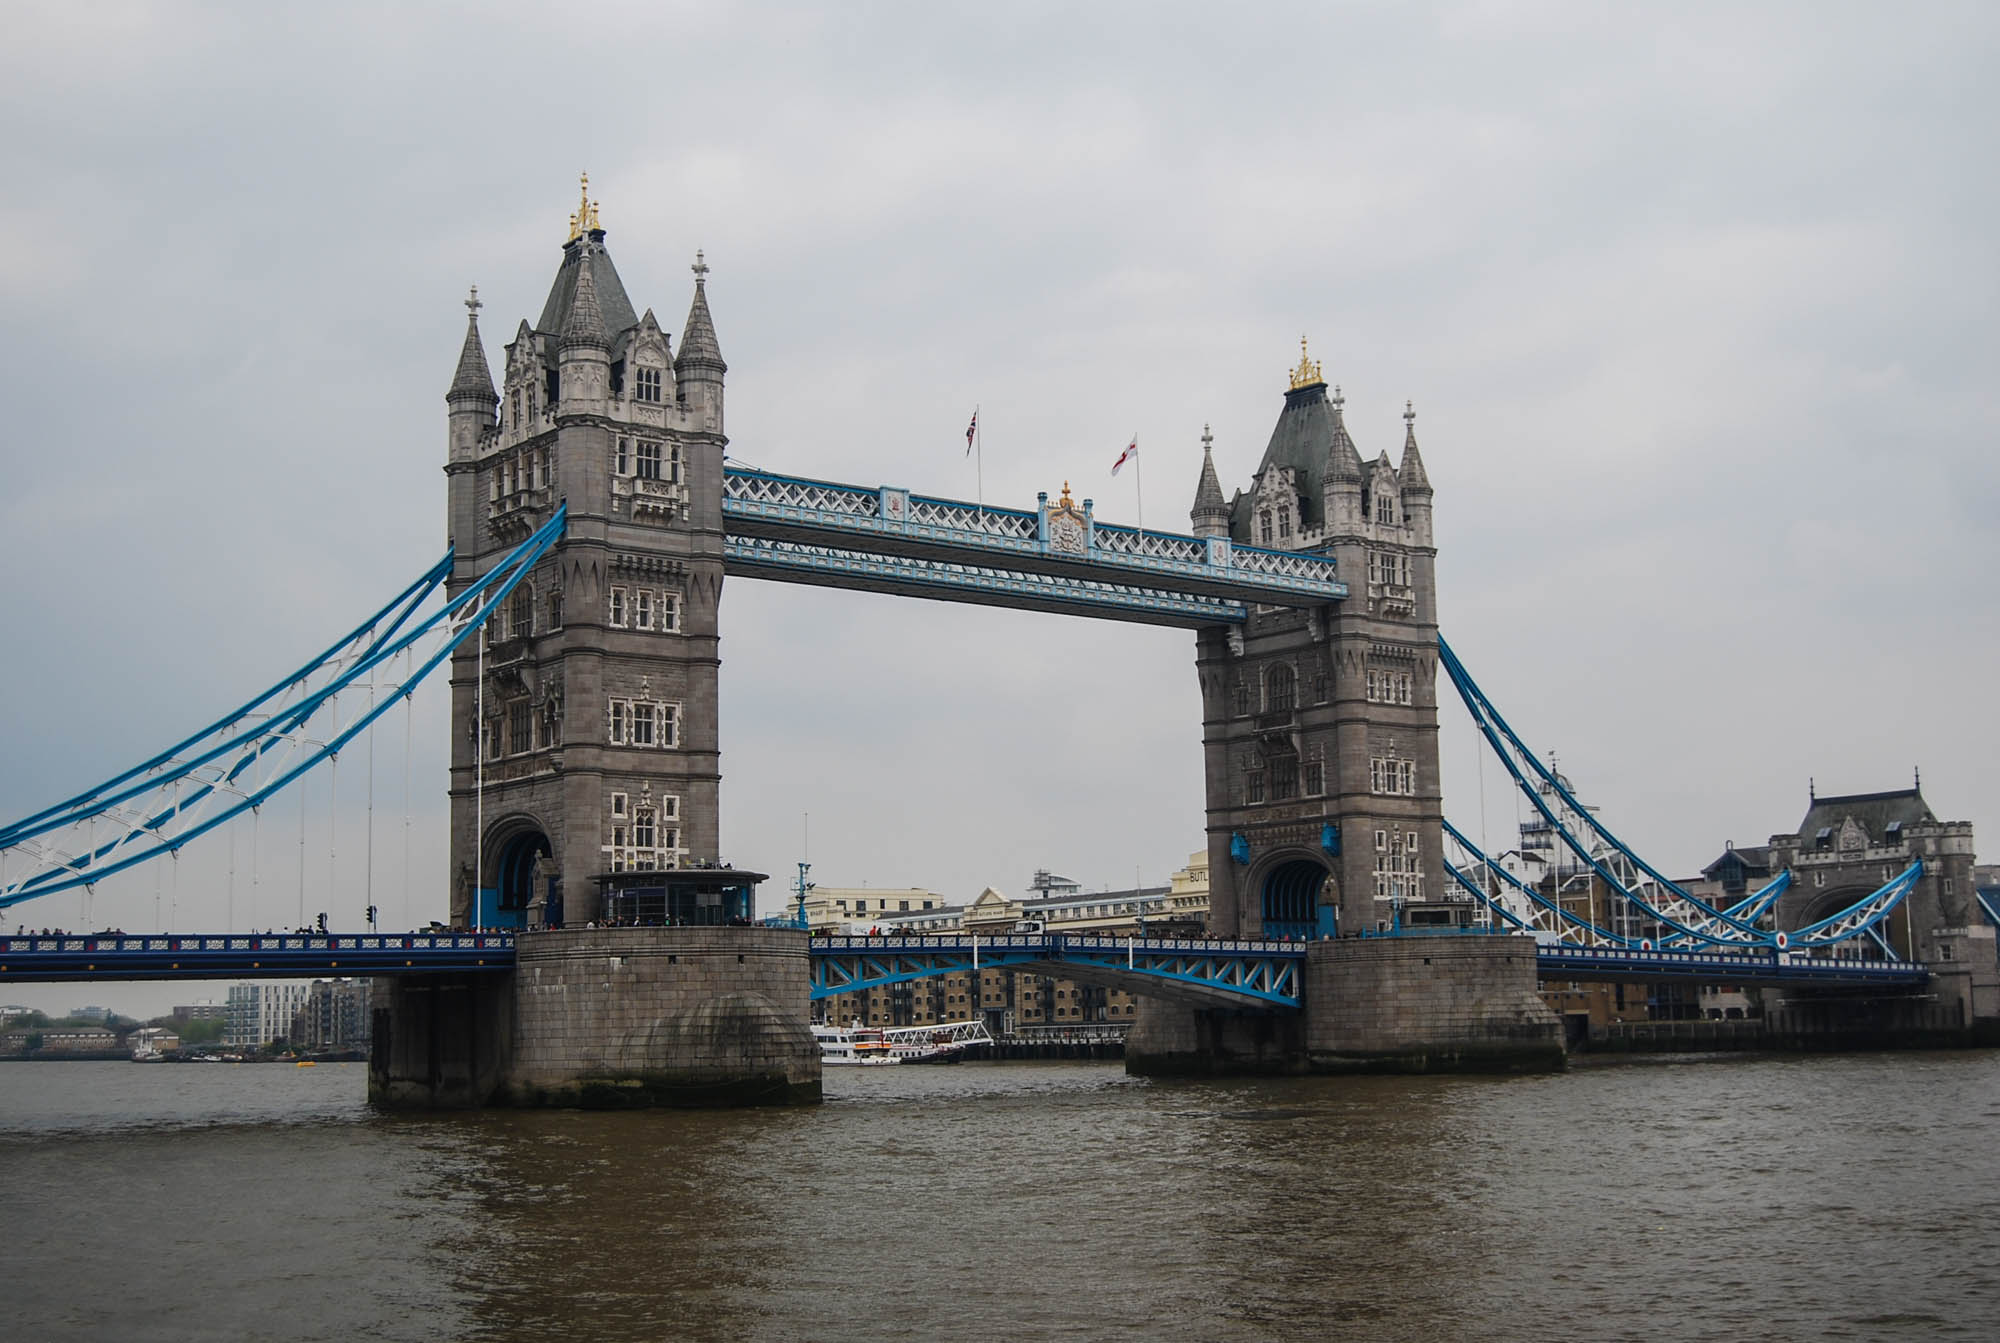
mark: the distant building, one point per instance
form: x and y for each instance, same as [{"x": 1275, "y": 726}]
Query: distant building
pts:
[
  {"x": 333, "y": 1016},
  {"x": 257, "y": 1014},
  {"x": 202, "y": 1011},
  {"x": 154, "y": 1039},
  {"x": 831, "y": 909},
  {"x": 91, "y": 1013},
  {"x": 1012, "y": 1001},
  {"x": 59, "y": 1040}
]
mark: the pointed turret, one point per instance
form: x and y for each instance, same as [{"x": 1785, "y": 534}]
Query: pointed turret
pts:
[
  {"x": 699, "y": 348},
  {"x": 1343, "y": 459},
  {"x": 474, "y": 379},
  {"x": 698, "y": 369},
  {"x": 1415, "y": 479},
  {"x": 584, "y": 351},
  {"x": 471, "y": 400},
  {"x": 1211, "y": 511},
  {"x": 583, "y": 325}
]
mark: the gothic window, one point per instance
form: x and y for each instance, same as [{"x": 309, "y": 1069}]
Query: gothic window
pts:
[
  {"x": 520, "y": 726},
  {"x": 534, "y": 402},
  {"x": 618, "y": 804},
  {"x": 619, "y": 710},
  {"x": 547, "y": 729},
  {"x": 643, "y": 833},
  {"x": 1385, "y": 510},
  {"x": 1253, "y": 786},
  {"x": 642, "y": 724},
  {"x": 1280, "y": 689},
  {"x": 521, "y": 613},
  {"x": 1242, "y": 697},
  {"x": 670, "y": 612},
  {"x": 1264, "y": 527},
  {"x": 670, "y": 725},
  {"x": 1390, "y": 776},
  {"x": 516, "y": 404},
  {"x": 642, "y": 609},
  {"x": 1315, "y": 780},
  {"x": 1284, "y": 776},
  {"x": 555, "y": 609},
  {"x": 493, "y": 751},
  {"x": 674, "y": 464},
  {"x": 1319, "y": 687},
  {"x": 648, "y": 460},
  {"x": 618, "y": 607},
  {"x": 648, "y": 384},
  {"x": 624, "y": 465},
  {"x": 1284, "y": 524}
]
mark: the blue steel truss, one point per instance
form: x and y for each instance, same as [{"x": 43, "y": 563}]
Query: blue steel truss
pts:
[
  {"x": 1687, "y": 921},
  {"x": 1247, "y": 973},
  {"x": 249, "y": 955},
  {"x": 909, "y": 576},
  {"x": 883, "y": 538},
  {"x": 240, "y": 760}
]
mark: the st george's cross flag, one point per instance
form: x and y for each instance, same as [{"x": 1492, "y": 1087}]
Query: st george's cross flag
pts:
[
  {"x": 970, "y": 430},
  {"x": 1131, "y": 451}
]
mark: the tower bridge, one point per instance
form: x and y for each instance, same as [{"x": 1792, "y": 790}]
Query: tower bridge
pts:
[{"x": 594, "y": 520}]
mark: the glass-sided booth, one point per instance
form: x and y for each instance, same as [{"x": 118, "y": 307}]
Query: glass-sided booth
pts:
[{"x": 689, "y": 897}]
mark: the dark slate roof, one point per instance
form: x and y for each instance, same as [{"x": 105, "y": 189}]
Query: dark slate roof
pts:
[
  {"x": 614, "y": 308},
  {"x": 1208, "y": 489},
  {"x": 1305, "y": 433},
  {"x": 474, "y": 377},
  {"x": 1756, "y": 861},
  {"x": 1412, "y": 473},
  {"x": 698, "y": 344},
  {"x": 1873, "y": 812}
]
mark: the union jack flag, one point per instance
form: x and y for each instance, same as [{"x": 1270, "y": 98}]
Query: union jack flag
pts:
[{"x": 970, "y": 430}]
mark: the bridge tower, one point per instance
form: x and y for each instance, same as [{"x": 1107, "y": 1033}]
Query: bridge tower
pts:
[
  {"x": 590, "y": 754},
  {"x": 1320, "y": 726}
]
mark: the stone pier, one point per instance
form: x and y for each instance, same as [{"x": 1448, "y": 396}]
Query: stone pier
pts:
[
  {"x": 1405, "y": 1004},
  {"x": 608, "y": 1018}
]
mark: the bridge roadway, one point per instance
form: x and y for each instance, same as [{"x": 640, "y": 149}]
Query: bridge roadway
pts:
[{"x": 1200, "y": 971}]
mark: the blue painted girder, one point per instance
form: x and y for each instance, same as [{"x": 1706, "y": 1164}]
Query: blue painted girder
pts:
[
  {"x": 1227, "y": 973},
  {"x": 1564, "y": 961},
  {"x": 27, "y": 960}
]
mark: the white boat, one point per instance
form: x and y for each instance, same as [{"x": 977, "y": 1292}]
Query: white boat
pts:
[{"x": 877, "y": 1046}]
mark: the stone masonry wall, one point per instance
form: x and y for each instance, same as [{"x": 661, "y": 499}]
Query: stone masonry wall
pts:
[
  {"x": 1422, "y": 1003},
  {"x": 663, "y": 1016}
]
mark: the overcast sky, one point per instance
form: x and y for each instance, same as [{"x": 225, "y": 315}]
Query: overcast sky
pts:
[{"x": 1695, "y": 306}]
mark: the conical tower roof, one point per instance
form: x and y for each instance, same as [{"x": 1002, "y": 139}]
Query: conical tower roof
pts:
[
  {"x": 474, "y": 378},
  {"x": 1412, "y": 473},
  {"x": 1307, "y": 431},
  {"x": 699, "y": 348},
  {"x": 1208, "y": 500},
  {"x": 583, "y": 325},
  {"x": 1343, "y": 459}
]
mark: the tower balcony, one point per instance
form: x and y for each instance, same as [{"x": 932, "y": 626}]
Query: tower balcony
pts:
[
  {"x": 651, "y": 500},
  {"x": 1393, "y": 598},
  {"x": 513, "y": 517}
]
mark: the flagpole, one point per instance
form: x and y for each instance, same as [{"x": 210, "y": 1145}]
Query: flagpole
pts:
[
  {"x": 979, "y": 458},
  {"x": 1139, "y": 484}
]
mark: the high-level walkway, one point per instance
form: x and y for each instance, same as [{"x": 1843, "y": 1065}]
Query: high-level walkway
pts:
[{"x": 1055, "y": 558}]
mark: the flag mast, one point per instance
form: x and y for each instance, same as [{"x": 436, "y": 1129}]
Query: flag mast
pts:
[{"x": 1139, "y": 485}]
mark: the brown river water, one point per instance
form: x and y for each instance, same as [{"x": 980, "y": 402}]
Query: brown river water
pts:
[{"x": 1741, "y": 1199}]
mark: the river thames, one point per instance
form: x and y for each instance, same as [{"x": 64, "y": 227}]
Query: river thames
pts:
[{"x": 1851, "y": 1197}]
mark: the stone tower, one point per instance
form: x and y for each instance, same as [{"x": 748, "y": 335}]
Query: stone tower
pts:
[
  {"x": 1320, "y": 726},
  {"x": 589, "y": 755}
]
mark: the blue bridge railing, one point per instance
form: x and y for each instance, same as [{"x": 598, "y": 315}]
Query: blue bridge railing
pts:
[{"x": 27, "y": 959}]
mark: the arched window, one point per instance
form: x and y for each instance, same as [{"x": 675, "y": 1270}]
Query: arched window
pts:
[
  {"x": 1280, "y": 689},
  {"x": 521, "y": 613}
]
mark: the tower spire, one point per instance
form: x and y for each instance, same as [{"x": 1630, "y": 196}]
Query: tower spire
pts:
[
  {"x": 584, "y": 323},
  {"x": 699, "y": 348},
  {"x": 1210, "y": 513},
  {"x": 474, "y": 379},
  {"x": 1412, "y": 473}
]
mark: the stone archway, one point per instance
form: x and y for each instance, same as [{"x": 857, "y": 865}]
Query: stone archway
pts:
[
  {"x": 1289, "y": 897},
  {"x": 521, "y": 855}
]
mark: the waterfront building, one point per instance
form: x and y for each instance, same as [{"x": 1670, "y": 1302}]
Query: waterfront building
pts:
[
  {"x": 1013, "y": 1001},
  {"x": 334, "y": 1015},
  {"x": 258, "y": 1014},
  {"x": 206, "y": 1010},
  {"x": 837, "y": 909},
  {"x": 62, "y": 1039}
]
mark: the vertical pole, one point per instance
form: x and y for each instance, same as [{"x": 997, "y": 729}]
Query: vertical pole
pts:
[
  {"x": 409, "y": 731},
  {"x": 333, "y": 825},
  {"x": 478, "y": 783},
  {"x": 979, "y": 457},
  {"x": 1139, "y": 485},
  {"x": 229, "y": 919},
  {"x": 368, "y": 877},
  {"x": 302, "y": 855}
]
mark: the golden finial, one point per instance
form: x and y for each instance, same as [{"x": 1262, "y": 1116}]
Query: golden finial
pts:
[
  {"x": 1307, "y": 373},
  {"x": 1064, "y": 502},
  {"x": 585, "y": 218}
]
